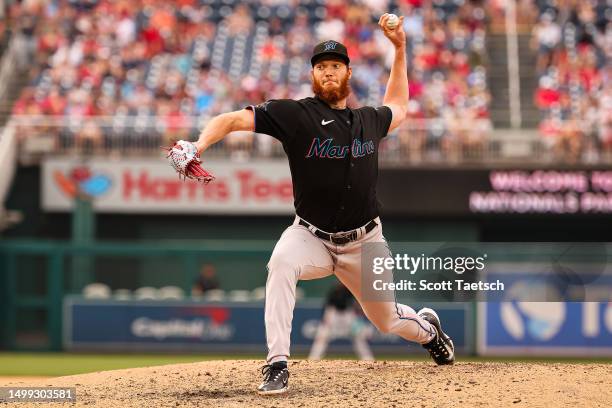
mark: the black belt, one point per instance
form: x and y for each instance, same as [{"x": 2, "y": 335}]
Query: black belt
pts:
[{"x": 342, "y": 238}]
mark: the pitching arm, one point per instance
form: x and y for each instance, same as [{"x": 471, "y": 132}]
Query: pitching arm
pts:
[{"x": 396, "y": 95}]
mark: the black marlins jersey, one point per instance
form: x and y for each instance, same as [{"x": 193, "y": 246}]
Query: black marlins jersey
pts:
[{"x": 333, "y": 157}]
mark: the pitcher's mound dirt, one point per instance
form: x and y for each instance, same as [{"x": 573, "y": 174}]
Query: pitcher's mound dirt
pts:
[
  {"x": 347, "y": 384},
  {"x": 22, "y": 379}
]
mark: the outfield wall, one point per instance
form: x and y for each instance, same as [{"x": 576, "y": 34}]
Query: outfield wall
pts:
[{"x": 190, "y": 326}]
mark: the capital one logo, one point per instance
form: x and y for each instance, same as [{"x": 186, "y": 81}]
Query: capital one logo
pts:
[{"x": 330, "y": 45}]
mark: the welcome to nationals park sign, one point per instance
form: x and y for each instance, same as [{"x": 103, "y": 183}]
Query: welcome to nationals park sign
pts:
[{"x": 499, "y": 192}]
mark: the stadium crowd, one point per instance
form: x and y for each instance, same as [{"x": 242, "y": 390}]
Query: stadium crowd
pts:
[
  {"x": 157, "y": 70},
  {"x": 573, "y": 41}
]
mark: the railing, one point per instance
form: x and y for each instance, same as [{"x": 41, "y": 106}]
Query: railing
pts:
[
  {"x": 8, "y": 65},
  {"x": 419, "y": 142},
  {"x": 8, "y": 147},
  {"x": 514, "y": 84},
  {"x": 7, "y": 165}
]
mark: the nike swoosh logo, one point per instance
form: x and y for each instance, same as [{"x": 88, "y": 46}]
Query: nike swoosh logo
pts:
[{"x": 326, "y": 122}]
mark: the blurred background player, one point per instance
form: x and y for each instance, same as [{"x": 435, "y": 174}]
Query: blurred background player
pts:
[
  {"x": 207, "y": 280},
  {"x": 342, "y": 319}
]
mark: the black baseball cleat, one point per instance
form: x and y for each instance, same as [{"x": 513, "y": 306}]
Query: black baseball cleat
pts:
[
  {"x": 276, "y": 379},
  {"x": 441, "y": 347}
]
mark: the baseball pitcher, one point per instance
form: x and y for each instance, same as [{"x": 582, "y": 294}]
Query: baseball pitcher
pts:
[{"x": 333, "y": 157}]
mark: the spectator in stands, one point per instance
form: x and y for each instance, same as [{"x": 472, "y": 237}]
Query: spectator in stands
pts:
[
  {"x": 207, "y": 280},
  {"x": 604, "y": 120},
  {"x": 545, "y": 39},
  {"x": 89, "y": 138},
  {"x": 571, "y": 140},
  {"x": 550, "y": 130},
  {"x": 55, "y": 103},
  {"x": 546, "y": 95},
  {"x": 330, "y": 27},
  {"x": 240, "y": 20}
]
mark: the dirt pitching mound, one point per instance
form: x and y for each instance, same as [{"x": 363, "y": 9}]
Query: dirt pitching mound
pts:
[{"x": 348, "y": 383}]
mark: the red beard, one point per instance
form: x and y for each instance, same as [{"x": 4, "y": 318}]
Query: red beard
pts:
[{"x": 332, "y": 96}]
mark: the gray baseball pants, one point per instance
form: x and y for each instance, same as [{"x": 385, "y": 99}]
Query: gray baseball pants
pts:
[{"x": 301, "y": 255}]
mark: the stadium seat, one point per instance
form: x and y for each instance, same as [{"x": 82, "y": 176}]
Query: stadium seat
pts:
[
  {"x": 171, "y": 292},
  {"x": 122, "y": 294},
  {"x": 97, "y": 291},
  {"x": 258, "y": 293},
  {"x": 239, "y": 296},
  {"x": 214, "y": 295},
  {"x": 146, "y": 292}
]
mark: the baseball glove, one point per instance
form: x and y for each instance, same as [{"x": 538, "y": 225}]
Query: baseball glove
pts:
[{"x": 185, "y": 159}]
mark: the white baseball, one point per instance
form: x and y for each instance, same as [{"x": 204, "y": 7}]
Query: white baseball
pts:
[{"x": 392, "y": 21}]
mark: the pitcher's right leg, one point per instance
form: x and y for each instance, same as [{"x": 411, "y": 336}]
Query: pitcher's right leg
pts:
[{"x": 297, "y": 255}]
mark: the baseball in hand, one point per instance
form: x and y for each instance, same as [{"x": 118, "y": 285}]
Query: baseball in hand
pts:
[{"x": 392, "y": 21}]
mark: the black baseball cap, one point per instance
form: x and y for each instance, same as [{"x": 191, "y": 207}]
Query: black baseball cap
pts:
[{"x": 331, "y": 48}]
